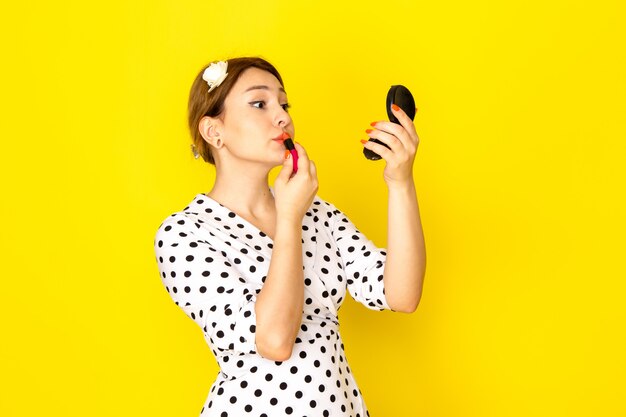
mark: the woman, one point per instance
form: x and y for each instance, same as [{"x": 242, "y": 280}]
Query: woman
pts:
[{"x": 264, "y": 270}]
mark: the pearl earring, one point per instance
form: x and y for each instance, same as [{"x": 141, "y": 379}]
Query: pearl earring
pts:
[{"x": 194, "y": 151}]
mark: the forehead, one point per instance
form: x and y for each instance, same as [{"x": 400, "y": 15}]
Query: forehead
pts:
[{"x": 255, "y": 77}]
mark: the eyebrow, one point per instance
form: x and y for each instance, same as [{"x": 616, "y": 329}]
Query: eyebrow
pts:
[{"x": 263, "y": 87}]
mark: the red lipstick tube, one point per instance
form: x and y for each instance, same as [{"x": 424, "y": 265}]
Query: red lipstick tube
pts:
[{"x": 292, "y": 150}]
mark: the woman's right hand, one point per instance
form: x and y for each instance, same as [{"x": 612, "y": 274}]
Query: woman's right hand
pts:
[{"x": 293, "y": 195}]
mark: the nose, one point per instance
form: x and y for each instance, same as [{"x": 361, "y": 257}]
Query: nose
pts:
[{"x": 283, "y": 119}]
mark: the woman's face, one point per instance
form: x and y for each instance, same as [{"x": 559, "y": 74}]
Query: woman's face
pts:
[{"x": 255, "y": 114}]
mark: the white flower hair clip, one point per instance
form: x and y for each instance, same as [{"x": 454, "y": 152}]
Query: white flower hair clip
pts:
[{"x": 215, "y": 74}]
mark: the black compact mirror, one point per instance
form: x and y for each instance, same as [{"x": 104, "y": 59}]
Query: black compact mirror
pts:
[{"x": 401, "y": 97}]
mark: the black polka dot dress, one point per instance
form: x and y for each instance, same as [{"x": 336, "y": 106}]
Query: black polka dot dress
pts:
[{"x": 213, "y": 264}]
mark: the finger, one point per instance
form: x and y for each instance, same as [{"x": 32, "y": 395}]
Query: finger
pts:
[
  {"x": 381, "y": 150},
  {"x": 389, "y": 127},
  {"x": 404, "y": 120},
  {"x": 396, "y": 130},
  {"x": 286, "y": 170},
  {"x": 303, "y": 158},
  {"x": 313, "y": 170},
  {"x": 392, "y": 141}
]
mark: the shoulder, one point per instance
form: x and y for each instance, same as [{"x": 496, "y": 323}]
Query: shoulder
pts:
[
  {"x": 327, "y": 211},
  {"x": 186, "y": 220},
  {"x": 323, "y": 207}
]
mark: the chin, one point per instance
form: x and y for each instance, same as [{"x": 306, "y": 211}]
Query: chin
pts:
[{"x": 276, "y": 158}]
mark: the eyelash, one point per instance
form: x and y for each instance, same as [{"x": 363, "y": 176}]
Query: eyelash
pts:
[{"x": 285, "y": 106}]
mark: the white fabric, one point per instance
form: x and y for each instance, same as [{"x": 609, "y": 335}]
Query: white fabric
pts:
[{"x": 213, "y": 263}]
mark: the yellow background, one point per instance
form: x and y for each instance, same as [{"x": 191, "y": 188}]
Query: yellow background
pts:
[{"x": 520, "y": 178}]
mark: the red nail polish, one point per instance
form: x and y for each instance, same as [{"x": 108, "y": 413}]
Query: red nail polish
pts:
[
  {"x": 368, "y": 130},
  {"x": 395, "y": 107},
  {"x": 373, "y": 124},
  {"x": 363, "y": 141}
]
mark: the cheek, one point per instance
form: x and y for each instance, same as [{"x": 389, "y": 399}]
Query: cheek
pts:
[
  {"x": 247, "y": 136},
  {"x": 239, "y": 131}
]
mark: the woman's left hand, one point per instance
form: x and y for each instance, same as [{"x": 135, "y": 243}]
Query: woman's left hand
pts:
[{"x": 403, "y": 141}]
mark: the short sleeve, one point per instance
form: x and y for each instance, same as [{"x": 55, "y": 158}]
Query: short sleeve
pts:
[
  {"x": 363, "y": 262},
  {"x": 203, "y": 283}
]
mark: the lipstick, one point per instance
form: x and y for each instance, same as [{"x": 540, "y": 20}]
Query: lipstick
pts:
[{"x": 291, "y": 148}]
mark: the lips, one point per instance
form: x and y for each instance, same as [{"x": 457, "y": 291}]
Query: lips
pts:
[{"x": 282, "y": 137}]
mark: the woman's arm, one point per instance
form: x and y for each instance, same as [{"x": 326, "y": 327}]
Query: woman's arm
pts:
[
  {"x": 406, "y": 254},
  {"x": 279, "y": 304}
]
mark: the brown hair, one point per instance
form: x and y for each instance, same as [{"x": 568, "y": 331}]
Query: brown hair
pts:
[{"x": 211, "y": 104}]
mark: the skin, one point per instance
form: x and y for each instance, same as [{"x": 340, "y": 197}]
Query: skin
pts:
[
  {"x": 243, "y": 159},
  {"x": 405, "y": 266}
]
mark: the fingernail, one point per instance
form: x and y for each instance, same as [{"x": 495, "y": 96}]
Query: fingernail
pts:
[
  {"x": 368, "y": 130},
  {"x": 287, "y": 153},
  {"x": 395, "y": 107},
  {"x": 363, "y": 141},
  {"x": 373, "y": 124}
]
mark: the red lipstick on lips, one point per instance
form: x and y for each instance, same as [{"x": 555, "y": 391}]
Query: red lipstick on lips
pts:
[{"x": 291, "y": 148}]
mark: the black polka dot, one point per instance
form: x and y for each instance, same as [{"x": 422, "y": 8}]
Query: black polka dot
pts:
[{"x": 214, "y": 266}]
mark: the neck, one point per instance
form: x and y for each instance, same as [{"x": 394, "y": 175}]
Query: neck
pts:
[{"x": 243, "y": 187}]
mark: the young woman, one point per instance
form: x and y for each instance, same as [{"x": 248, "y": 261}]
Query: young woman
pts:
[{"x": 264, "y": 270}]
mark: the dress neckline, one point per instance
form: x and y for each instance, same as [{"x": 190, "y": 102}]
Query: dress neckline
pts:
[{"x": 240, "y": 218}]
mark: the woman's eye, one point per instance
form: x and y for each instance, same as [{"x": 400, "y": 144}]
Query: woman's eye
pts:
[{"x": 261, "y": 105}]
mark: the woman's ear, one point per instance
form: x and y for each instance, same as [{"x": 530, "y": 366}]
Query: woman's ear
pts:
[{"x": 209, "y": 128}]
